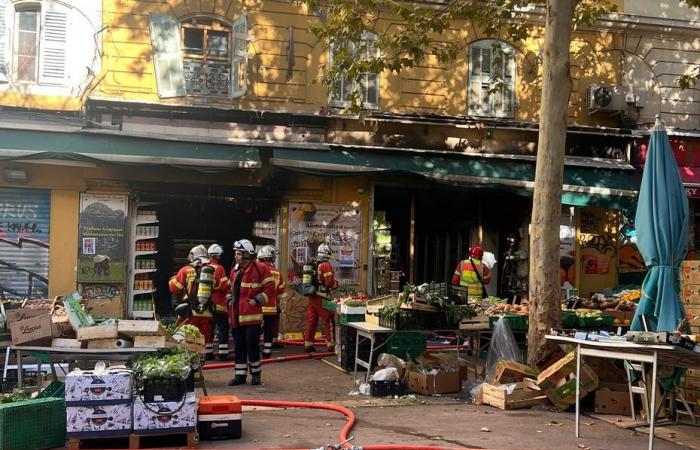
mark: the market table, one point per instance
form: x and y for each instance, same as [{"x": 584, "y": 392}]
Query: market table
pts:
[
  {"x": 367, "y": 331},
  {"x": 654, "y": 354},
  {"x": 56, "y": 354}
]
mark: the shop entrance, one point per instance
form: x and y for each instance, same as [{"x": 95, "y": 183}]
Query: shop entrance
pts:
[{"x": 186, "y": 220}]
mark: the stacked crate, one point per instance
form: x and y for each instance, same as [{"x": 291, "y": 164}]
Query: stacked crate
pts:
[{"x": 690, "y": 295}]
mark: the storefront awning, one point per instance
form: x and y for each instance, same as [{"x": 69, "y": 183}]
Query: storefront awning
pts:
[
  {"x": 587, "y": 181},
  {"x": 92, "y": 147}
]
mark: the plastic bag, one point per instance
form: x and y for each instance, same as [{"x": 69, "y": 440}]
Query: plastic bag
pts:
[
  {"x": 389, "y": 360},
  {"x": 503, "y": 347},
  {"x": 388, "y": 374}
]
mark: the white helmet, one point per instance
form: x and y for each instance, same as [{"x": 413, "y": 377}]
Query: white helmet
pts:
[
  {"x": 267, "y": 252},
  {"x": 198, "y": 252},
  {"x": 215, "y": 250},
  {"x": 245, "y": 246},
  {"x": 324, "y": 251}
]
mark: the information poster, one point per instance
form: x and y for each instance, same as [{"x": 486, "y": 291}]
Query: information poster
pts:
[
  {"x": 102, "y": 239},
  {"x": 339, "y": 226}
]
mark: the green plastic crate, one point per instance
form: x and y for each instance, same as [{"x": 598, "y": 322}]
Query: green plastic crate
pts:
[
  {"x": 568, "y": 319},
  {"x": 515, "y": 321},
  {"x": 593, "y": 322},
  {"x": 347, "y": 318},
  {"x": 329, "y": 305},
  {"x": 54, "y": 389},
  {"x": 33, "y": 424}
]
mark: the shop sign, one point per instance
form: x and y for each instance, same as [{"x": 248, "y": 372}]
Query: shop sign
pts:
[
  {"x": 24, "y": 243},
  {"x": 692, "y": 192},
  {"x": 102, "y": 240},
  {"x": 339, "y": 226}
]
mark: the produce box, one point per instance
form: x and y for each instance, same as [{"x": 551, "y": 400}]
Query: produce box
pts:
[
  {"x": 33, "y": 424},
  {"x": 515, "y": 321},
  {"x": 511, "y": 372},
  {"x": 33, "y": 331},
  {"x": 98, "y": 420},
  {"x": 347, "y": 318},
  {"x": 154, "y": 342},
  {"x": 344, "y": 309},
  {"x": 88, "y": 387},
  {"x": 690, "y": 271},
  {"x": 568, "y": 319},
  {"x": 439, "y": 383},
  {"x": 523, "y": 394},
  {"x": 105, "y": 308},
  {"x": 195, "y": 343},
  {"x": 15, "y": 315},
  {"x": 593, "y": 322},
  {"x": 613, "y": 398},
  {"x": 558, "y": 381},
  {"x": 104, "y": 331},
  {"x": 165, "y": 417},
  {"x": 131, "y": 328},
  {"x": 329, "y": 305}
]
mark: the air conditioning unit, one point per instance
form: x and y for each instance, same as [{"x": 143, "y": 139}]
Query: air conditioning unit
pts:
[{"x": 606, "y": 98}]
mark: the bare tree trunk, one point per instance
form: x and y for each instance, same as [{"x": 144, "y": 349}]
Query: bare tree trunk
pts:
[{"x": 544, "y": 289}]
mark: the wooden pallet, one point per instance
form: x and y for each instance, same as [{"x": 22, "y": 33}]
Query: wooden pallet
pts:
[{"x": 135, "y": 440}]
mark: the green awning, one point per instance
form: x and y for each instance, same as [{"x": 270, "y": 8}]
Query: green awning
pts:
[
  {"x": 587, "y": 181},
  {"x": 91, "y": 147}
]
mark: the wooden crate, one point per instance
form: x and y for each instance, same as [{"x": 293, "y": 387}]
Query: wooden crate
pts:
[
  {"x": 154, "y": 342},
  {"x": 133, "y": 328},
  {"x": 524, "y": 394}
]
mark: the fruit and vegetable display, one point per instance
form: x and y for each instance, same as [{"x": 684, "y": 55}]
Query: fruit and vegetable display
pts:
[
  {"x": 502, "y": 308},
  {"x": 624, "y": 301}
]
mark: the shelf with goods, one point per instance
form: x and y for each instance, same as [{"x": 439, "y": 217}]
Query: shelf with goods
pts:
[{"x": 144, "y": 231}]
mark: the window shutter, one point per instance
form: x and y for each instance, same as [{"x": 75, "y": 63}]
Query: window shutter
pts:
[
  {"x": 5, "y": 33},
  {"x": 504, "y": 106},
  {"x": 239, "y": 58},
  {"x": 482, "y": 67},
  {"x": 167, "y": 62},
  {"x": 479, "y": 76},
  {"x": 52, "y": 44},
  {"x": 371, "y": 89}
]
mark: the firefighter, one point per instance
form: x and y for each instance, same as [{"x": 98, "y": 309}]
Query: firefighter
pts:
[
  {"x": 271, "y": 311},
  {"x": 252, "y": 287},
  {"x": 473, "y": 274},
  {"x": 185, "y": 286},
  {"x": 325, "y": 281},
  {"x": 220, "y": 303}
]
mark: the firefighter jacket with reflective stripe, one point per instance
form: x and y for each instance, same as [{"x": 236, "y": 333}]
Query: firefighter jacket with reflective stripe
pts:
[
  {"x": 221, "y": 288},
  {"x": 246, "y": 284},
  {"x": 465, "y": 276},
  {"x": 270, "y": 309},
  {"x": 326, "y": 280},
  {"x": 183, "y": 283}
]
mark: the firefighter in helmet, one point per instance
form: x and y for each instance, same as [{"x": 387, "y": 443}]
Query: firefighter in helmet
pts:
[
  {"x": 325, "y": 280},
  {"x": 271, "y": 311},
  {"x": 192, "y": 286},
  {"x": 473, "y": 274},
  {"x": 252, "y": 287},
  {"x": 220, "y": 303}
]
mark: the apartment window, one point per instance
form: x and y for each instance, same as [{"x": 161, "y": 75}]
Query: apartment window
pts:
[
  {"x": 369, "y": 81},
  {"x": 26, "y": 41},
  {"x": 491, "y": 79},
  {"x": 206, "y": 57}
]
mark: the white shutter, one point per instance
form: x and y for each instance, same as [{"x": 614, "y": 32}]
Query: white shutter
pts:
[
  {"x": 53, "y": 44},
  {"x": 239, "y": 58},
  {"x": 5, "y": 33},
  {"x": 482, "y": 67},
  {"x": 167, "y": 61},
  {"x": 479, "y": 74},
  {"x": 370, "y": 89}
]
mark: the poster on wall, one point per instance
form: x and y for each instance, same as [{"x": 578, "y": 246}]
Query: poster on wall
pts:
[
  {"x": 598, "y": 242},
  {"x": 339, "y": 226},
  {"x": 24, "y": 243},
  {"x": 101, "y": 242}
]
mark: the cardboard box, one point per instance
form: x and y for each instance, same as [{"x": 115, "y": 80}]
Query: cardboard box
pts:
[
  {"x": 558, "y": 381},
  {"x": 66, "y": 343},
  {"x": 690, "y": 293},
  {"x": 512, "y": 372},
  {"x": 523, "y": 394},
  {"x": 61, "y": 327},
  {"x": 690, "y": 271},
  {"x": 131, "y": 328},
  {"x": 89, "y": 387},
  {"x": 105, "y": 331},
  {"x": 172, "y": 416},
  {"x": 99, "y": 420},
  {"x": 16, "y": 315},
  {"x": 105, "y": 308},
  {"x": 154, "y": 342},
  {"x": 606, "y": 369},
  {"x": 440, "y": 383},
  {"x": 33, "y": 331},
  {"x": 196, "y": 344},
  {"x": 613, "y": 398}
]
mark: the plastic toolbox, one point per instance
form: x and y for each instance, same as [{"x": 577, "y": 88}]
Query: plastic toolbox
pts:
[{"x": 219, "y": 417}]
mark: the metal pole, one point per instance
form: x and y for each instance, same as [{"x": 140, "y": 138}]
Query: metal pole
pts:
[
  {"x": 578, "y": 390},
  {"x": 412, "y": 243},
  {"x": 652, "y": 411}
]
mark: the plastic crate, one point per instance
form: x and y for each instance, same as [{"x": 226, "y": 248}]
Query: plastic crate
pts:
[
  {"x": 329, "y": 305},
  {"x": 568, "y": 319},
  {"x": 33, "y": 424},
  {"x": 163, "y": 390},
  {"x": 54, "y": 389},
  {"x": 385, "y": 388},
  {"x": 347, "y": 318},
  {"x": 515, "y": 321},
  {"x": 594, "y": 322},
  {"x": 406, "y": 320},
  {"x": 458, "y": 294}
]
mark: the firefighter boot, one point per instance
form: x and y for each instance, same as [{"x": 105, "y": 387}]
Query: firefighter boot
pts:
[
  {"x": 237, "y": 380},
  {"x": 255, "y": 379}
]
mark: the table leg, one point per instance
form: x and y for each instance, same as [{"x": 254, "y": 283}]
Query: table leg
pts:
[
  {"x": 18, "y": 355},
  {"x": 371, "y": 355},
  {"x": 578, "y": 390},
  {"x": 652, "y": 410},
  {"x": 357, "y": 349}
]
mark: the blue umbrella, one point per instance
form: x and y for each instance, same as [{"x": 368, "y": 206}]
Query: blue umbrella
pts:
[{"x": 662, "y": 235}]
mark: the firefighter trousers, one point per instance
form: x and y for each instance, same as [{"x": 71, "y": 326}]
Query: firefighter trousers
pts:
[
  {"x": 223, "y": 333},
  {"x": 246, "y": 340},
  {"x": 314, "y": 310},
  {"x": 270, "y": 326}
]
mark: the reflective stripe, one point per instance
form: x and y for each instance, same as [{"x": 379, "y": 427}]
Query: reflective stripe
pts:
[
  {"x": 268, "y": 280},
  {"x": 267, "y": 345},
  {"x": 327, "y": 273},
  {"x": 250, "y": 318},
  {"x": 176, "y": 283},
  {"x": 267, "y": 299},
  {"x": 221, "y": 308},
  {"x": 251, "y": 285},
  {"x": 269, "y": 309}
]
